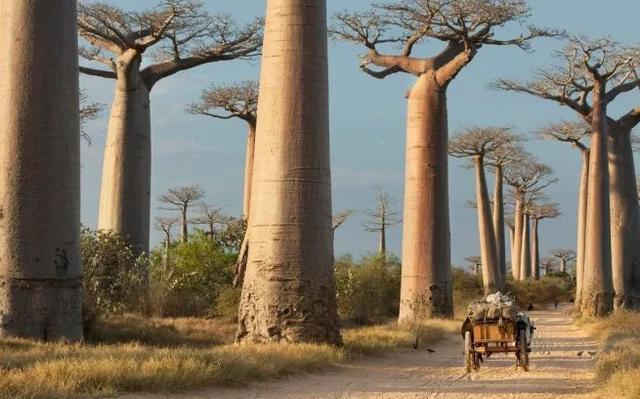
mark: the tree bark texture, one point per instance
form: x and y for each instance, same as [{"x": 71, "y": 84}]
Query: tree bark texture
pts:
[
  {"x": 516, "y": 254},
  {"x": 426, "y": 260},
  {"x": 498, "y": 221},
  {"x": 126, "y": 175},
  {"x": 597, "y": 289},
  {"x": 288, "y": 294},
  {"x": 486, "y": 233},
  {"x": 525, "y": 251},
  {"x": 625, "y": 221},
  {"x": 248, "y": 170},
  {"x": 40, "y": 270},
  {"x": 535, "y": 249},
  {"x": 582, "y": 224}
]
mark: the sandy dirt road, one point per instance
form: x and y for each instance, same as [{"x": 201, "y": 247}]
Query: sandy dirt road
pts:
[{"x": 557, "y": 371}]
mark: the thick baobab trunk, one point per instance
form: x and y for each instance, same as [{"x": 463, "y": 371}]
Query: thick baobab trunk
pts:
[
  {"x": 126, "y": 174},
  {"x": 516, "y": 253},
  {"x": 184, "y": 225},
  {"x": 40, "y": 271},
  {"x": 511, "y": 251},
  {"x": 498, "y": 221},
  {"x": 248, "y": 169},
  {"x": 597, "y": 288},
  {"x": 625, "y": 221},
  {"x": 486, "y": 233},
  {"x": 525, "y": 251},
  {"x": 535, "y": 249},
  {"x": 426, "y": 264},
  {"x": 582, "y": 224},
  {"x": 288, "y": 294}
]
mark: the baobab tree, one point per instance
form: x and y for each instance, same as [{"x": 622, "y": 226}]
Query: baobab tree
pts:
[
  {"x": 288, "y": 290},
  {"x": 476, "y": 264},
  {"x": 510, "y": 222},
  {"x": 380, "y": 218},
  {"x": 539, "y": 212},
  {"x": 591, "y": 75},
  {"x": 576, "y": 134},
  {"x": 40, "y": 271},
  {"x": 547, "y": 264},
  {"x": 209, "y": 216},
  {"x": 89, "y": 111},
  {"x": 183, "y": 36},
  {"x": 180, "y": 199},
  {"x": 340, "y": 218},
  {"x": 502, "y": 157},
  {"x": 464, "y": 27},
  {"x": 564, "y": 256},
  {"x": 476, "y": 143},
  {"x": 238, "y": 101},
  {"x": 165, "y": 225},
  {"x": 527, "y": 179}
]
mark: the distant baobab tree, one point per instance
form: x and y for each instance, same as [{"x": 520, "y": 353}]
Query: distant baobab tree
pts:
[
  {"x": 89, "y": 111},
  {"x": 40, "y": 270},
  {"x": 165, "y": 225},
  {"x": 288, "y": 287},
  {"x": 591, "y": 75},
  {"x": 564, "y": 256},
  {"x": 234, "y": 101},
  {"x": 476, "y": 143},
  {"x": 380, "y": 218},
  {"x": 576, "y": 134},
  {"x": 465, "y": 28},
  {"x": 547, "y": 264},
  {"x": 209, "y": 216},
  {"x": 476, "y": 264},
  {"x": 537, "y": 213},
  {"x": 340, "y": 218},
  {"x": 180, "y": 199},
  {"x": 179, "y": 35}
]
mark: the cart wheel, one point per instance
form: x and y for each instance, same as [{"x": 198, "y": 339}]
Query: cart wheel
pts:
[
  {"x": 522, "y": 350},
  {"x": 469, "y": 355}
]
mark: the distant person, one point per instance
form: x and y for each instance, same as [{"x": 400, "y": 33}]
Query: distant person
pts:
[{"x": 530, "y": 307}]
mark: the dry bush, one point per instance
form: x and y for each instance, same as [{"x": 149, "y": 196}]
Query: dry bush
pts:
[{"x": 467, "y": 287}]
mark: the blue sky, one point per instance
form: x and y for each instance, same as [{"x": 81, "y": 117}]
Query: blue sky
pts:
[{"x": 367, "y": 125}]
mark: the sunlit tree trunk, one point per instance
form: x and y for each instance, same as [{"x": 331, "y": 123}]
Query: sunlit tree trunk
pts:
[
  {"x": 288, "y": 293},
  {"x": 126, "y": 173},
  {"x": 597, "y": 288},
  {"x": 248, "y": 169},
  {"x": 516, "y": 254},
  {"x": 426, "y": 270},
  {"x": 511, "y": 250},
  {"x": 525, "y": 251},
  {"x": 498, "y": 221},
  {"x": 535, "y": 249},
  {"x": 486, "y": 233},
  {"x": 40, "y": 272},
  {"x": 582, "y": 225},
  {"x": 625, "y": 220}
]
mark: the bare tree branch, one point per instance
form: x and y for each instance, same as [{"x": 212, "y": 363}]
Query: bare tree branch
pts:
[{"x": 237, "y": 100}]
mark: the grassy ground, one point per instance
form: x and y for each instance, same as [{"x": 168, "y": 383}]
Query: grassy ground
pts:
[
  {"x": 618, "y": 360},
  {"x": 132, "y": 354}
]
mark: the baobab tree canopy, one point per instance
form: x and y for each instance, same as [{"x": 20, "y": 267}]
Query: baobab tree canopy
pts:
[{"x": 229, "y": 101}]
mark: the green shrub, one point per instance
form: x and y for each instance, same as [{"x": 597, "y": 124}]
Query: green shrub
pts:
[
  {"x": 467, "y": 287},
  {"x": 548, "y": 289},
  {"x": 368, "y": 291}
]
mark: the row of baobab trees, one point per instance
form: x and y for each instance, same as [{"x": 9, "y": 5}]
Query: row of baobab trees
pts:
[{"x": 288, "y": 290}]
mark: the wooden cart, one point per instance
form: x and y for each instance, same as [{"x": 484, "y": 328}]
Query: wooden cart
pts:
[{"x": 488, "y": 337}]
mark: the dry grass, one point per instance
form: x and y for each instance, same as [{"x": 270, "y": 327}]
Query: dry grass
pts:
[
  {"x": 618, "y": 364},
  {"x": 183, "y": 355}
]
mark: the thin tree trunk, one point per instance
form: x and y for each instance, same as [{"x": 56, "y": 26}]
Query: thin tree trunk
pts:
[
  {"x": 535, "y": 249},
  {"x": 516, "y": 254},
  {"x": 582, "y": 225},
  {"x": 597, "y": 289},
  {"x": 40, "y": 270},
  {"x": 625, "y": 221},
  {"x": 248, "y": 169},
  {"x": 486, "y": 233},
  {"x": 511, "y": 250},
  {"x": 563, "y": 265},
  {"x": 167, "y": 249},
  {"x": 498, "y": 221},
  {"x": 382, "y": 247},
  {"x": 426, "y": 255},
  {"x": 184, "y": 226},
  {"x": 525, "y": 252},
  {"x": 126, "y": 175},
  {"x": 288, "y": 292}
]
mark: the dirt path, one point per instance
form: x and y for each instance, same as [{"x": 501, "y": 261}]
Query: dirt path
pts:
[{"x": 557, "y": 371}]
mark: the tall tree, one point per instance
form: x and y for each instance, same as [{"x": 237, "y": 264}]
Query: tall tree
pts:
[
  {"x": 591, "y": 75},
  {"x": 537, "y": 213},
  {"x": 476, "y": 143},
  {"x": 288, "y": 291},
  {"x": 527, "y": 178},
  {"x": 180, "y": 199},
  {"x": 510, "y": 222},
  {"x": 564, "y": 256},
  {"x": 89, "y": 111},
  {"x": 211, "y": 217},
  {"x": 183, "y": 36},
  {"x": 165, "y": 225},
  {"x": 380, "y": 218},
  {"x": 40, "y": 271},
  {"x": 465, "y": 27},
  {"x": 236, "y": 101},
  {"x": 502, "y": 157},
  {"x": 575, "y": 134},
  {"x": 547, "y": 264},
  {"x": 476, "y": 264}
]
